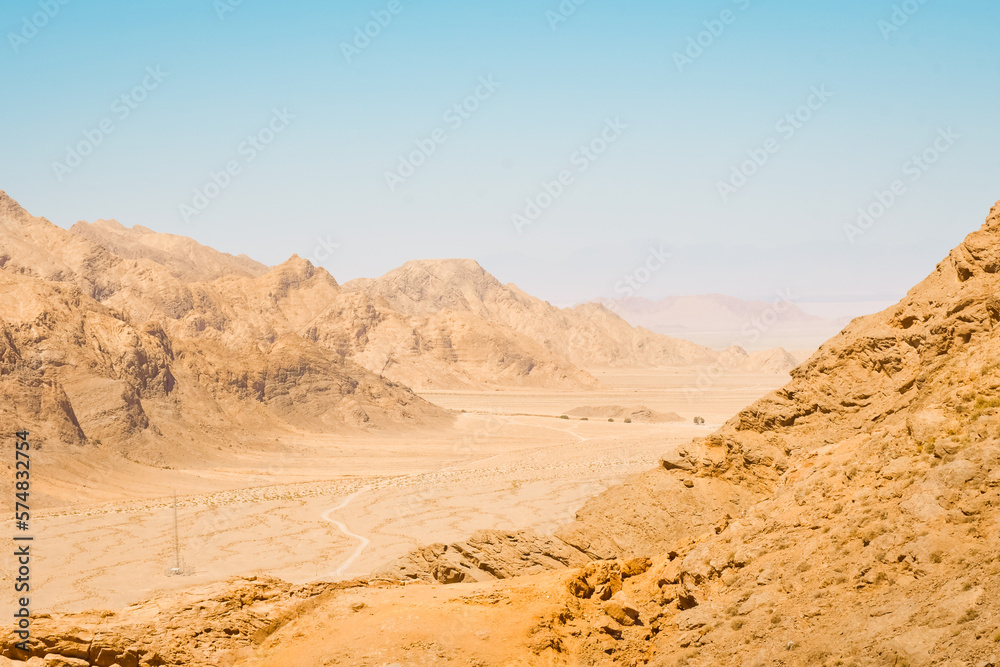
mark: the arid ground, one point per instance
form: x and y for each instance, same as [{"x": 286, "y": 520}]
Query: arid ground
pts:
[{"x": 331, "y": 508}]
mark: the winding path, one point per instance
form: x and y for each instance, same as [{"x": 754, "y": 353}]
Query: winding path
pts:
[{"x": 364, "y": 541}]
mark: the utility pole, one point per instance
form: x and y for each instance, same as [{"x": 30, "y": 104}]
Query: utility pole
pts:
[{"x": 177, "y": 542}]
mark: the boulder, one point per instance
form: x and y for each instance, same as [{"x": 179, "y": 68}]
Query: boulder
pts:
[
  {"x": 636, "y": 567},
  {"x": 677, "y": 461},
  {"x": 622, "y": 609}
]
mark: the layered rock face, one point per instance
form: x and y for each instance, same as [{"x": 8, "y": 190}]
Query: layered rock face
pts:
[{"x": 487, "y": 555}]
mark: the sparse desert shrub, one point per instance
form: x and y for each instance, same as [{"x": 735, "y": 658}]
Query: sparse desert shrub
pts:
[
  {"x": 776, "y": 619},
  {"x": 937, "y": 557},
  {"x": 996, "y": 638},
  {"x": 699, "y": 420},
  {"x": 628, "y": 421},
  {"x": 585, "y": 419},
  {"x": 968, "y": 616},
  {"x": 611, "y": 420},
  {"x": 563, "y": 416},
  {"x": 737, "y": 624}
]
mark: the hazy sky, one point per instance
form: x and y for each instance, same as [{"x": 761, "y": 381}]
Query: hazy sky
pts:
[{"x": 872, "y": 86}]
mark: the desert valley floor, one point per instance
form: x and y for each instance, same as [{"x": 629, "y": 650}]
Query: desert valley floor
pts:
[{"x": 330, "y": 508}]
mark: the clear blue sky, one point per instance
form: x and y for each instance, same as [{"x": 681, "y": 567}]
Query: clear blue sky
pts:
[{"x": 323, "y": 176}]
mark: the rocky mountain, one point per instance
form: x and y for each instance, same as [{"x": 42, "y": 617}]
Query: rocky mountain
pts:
[
  {"x": 147, "y": 358},
  {"x": 444, "y": 349},
  {"x": 774, "y": 360},
  {"x": 183, "y": 257},
  {"x": 589, "y": 335}
]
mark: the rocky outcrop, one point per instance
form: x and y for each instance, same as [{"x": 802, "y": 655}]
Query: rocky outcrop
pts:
[
  {"x": 203, "y": 627},
  {"x": 487, "y": 555}
]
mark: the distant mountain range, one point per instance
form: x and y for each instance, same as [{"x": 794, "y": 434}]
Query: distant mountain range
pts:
[
  {"x": 587, "y": 335},
  {"x": 718, "y": 321}
]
